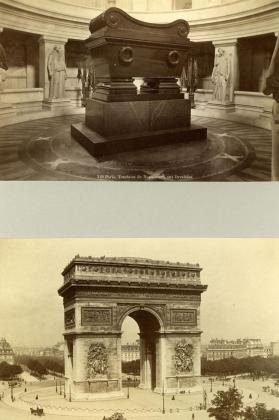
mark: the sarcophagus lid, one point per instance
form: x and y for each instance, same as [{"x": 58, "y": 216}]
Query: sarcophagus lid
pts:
[{"x": 122, "y": 46}]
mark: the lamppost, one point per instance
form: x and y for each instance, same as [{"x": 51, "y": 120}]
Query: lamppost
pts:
[
  {"x": 70, "y": 394},
  {"x": 128, "y": 394},
  {"x": 163, "y": 395},
  {"x": 60, "y": 389},
  {"x": 211, "y": 380},
  {"x": 64, "y": 390},
  {"x": 56, "y": 386},
  {"x": 12, "y": 391},
  {"x": 204, "y": 399}
]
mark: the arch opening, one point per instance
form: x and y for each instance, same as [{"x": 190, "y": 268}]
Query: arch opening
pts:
[{"x": 146, "y": 350}]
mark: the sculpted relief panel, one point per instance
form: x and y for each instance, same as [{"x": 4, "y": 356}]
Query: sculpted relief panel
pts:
[
  {"x": 69, "y": 318},
  {"x": 96, "y": 316},
  {"x": 97, "y": 360},
  {"x": 183, "y": 317},
  {"x": 183, "y": 358}
]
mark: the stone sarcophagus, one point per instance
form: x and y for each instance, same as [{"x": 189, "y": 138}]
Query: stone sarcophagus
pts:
[{"x": 120, "y": 117}]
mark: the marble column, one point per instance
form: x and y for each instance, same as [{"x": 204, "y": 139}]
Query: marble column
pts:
[
  {"x": 47, "y": 44},
  {"x": 225, "y": 75},
  {"x": 271, "y": 87},
  {"x": 6, "y": 110}
]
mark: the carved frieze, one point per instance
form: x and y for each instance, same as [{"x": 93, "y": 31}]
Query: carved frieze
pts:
[
  {"x": 145, "y": 272},
  {"x": 183, "y": 358},
  {"x": 91, "y": 316},
  {"x": 97, "y": 360},
  {"x": 159, "y": 294},
  {"x": 183, "y": 317},
  {"x": 69, "y": 317}
]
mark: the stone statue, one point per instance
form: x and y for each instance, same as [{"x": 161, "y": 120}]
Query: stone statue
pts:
[
  {"x": 57, "y": 73},
  {"x": 183, "y": 358},
  {"x": 3, "y": 65},
  {"x": 271, "y": 86},
  {"x": 189, "y": 77},
  {"x": 220, "y": 76},
  {"x": 86, "y": 74}
]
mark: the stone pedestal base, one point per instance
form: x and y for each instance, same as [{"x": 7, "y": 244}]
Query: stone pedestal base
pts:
[
  {"x": 57, "y": 104},
  {"x": 113, "y": 127},
  {"x": 225, "y": 107},
  {"x": 6, "y": 110},
  {"x": 98, "y": 396},
  {"x": 98, "y": 145}
]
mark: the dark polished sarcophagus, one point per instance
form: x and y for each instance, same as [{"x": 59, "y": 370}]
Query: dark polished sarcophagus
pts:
[{"x": 119, "y": 116}]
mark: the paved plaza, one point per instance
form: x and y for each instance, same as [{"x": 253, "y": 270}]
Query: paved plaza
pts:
[{"x": 141, "y": 404}]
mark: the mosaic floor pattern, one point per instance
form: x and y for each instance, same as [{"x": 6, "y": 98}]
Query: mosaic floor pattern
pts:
[{"x": 44, "y": 150}]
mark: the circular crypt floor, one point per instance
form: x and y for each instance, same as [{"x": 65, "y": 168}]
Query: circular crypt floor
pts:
[{"x": 44, "y": 150}]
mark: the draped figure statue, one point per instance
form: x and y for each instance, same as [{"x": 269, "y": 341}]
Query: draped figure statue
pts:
[
  {"x": 3, "y": 65},
  {"x": 220, "y": 76},
  {"x": 57, "y": 73}
]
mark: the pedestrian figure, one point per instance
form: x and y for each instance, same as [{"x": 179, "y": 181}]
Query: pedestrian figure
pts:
[
  {"x": 193, "y": 416},
  {"x": 173, "y": 398},
  {"x": 37, "y": 397}
]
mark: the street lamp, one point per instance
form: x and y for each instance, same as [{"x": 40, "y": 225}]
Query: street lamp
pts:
[
  {"x": 64, "y": 390},
  {"x": 128, "y": 394},
  {"x": 56, "y": 386},
  {"x": 163, "y": 395},
  {"x": 204, "y": 399},
  {"x": 211, "y": 380},
  {"x": 60, "y": 389},
  {"x": 70, "y": 395},
  {"x": 12, "y": 391}
]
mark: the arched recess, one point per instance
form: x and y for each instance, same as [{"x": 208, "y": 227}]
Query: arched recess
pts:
[{"x": 151, "y": 356}]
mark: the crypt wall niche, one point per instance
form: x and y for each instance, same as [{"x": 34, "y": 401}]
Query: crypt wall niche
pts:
[
  {"x": 22, "y": 50},
  {"x": 254, "y": 58}
]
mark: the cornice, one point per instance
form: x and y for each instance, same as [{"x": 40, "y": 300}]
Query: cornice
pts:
[{"x": 130, "y": 285}]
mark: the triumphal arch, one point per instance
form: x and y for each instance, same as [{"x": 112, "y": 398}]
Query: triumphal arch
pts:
[{"x": 162, "y": 297}]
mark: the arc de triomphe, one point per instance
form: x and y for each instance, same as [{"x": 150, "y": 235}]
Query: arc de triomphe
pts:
[{"x": 162, "y": 297}]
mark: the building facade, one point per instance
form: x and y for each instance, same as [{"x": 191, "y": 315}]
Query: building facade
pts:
[
  {"x": 130, "y": 351},
  {"x": 240, "y": 348},
  {"x": 6, "y": 352}
]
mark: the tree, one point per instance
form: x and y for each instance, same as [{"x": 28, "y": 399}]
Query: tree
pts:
[
  {"x": 226, "y": 405},
  {"x": 36, "y": 367},
  {"x": 8, "y": 371},
  {"x": 260, "y": 412}
]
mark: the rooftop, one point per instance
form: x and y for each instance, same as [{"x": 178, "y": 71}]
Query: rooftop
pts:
[{"x": 131, "y": 261}]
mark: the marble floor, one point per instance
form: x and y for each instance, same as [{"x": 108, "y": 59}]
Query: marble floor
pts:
[{"x": 44, "y": 150}]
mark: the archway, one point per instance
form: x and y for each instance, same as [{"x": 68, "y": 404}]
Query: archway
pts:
[{"x": 149, "y": 347}]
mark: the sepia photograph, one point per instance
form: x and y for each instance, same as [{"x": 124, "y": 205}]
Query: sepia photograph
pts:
[
  {"x": 139, "y": 90},
  {"x": 139, "y": 328}
]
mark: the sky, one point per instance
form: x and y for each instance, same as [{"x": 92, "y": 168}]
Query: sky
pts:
[{"x": 242, "y": 277}]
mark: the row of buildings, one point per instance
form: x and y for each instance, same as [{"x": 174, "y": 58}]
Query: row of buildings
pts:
[
  {"x": 216, "y": 350},
  {"x": 248, "y": 347}
]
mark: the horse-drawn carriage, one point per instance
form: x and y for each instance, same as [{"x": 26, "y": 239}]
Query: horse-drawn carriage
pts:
[{"x": 37, "y": 411}]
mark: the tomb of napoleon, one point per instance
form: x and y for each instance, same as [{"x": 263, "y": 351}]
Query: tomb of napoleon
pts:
[{"x": 118, "y": 117}]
